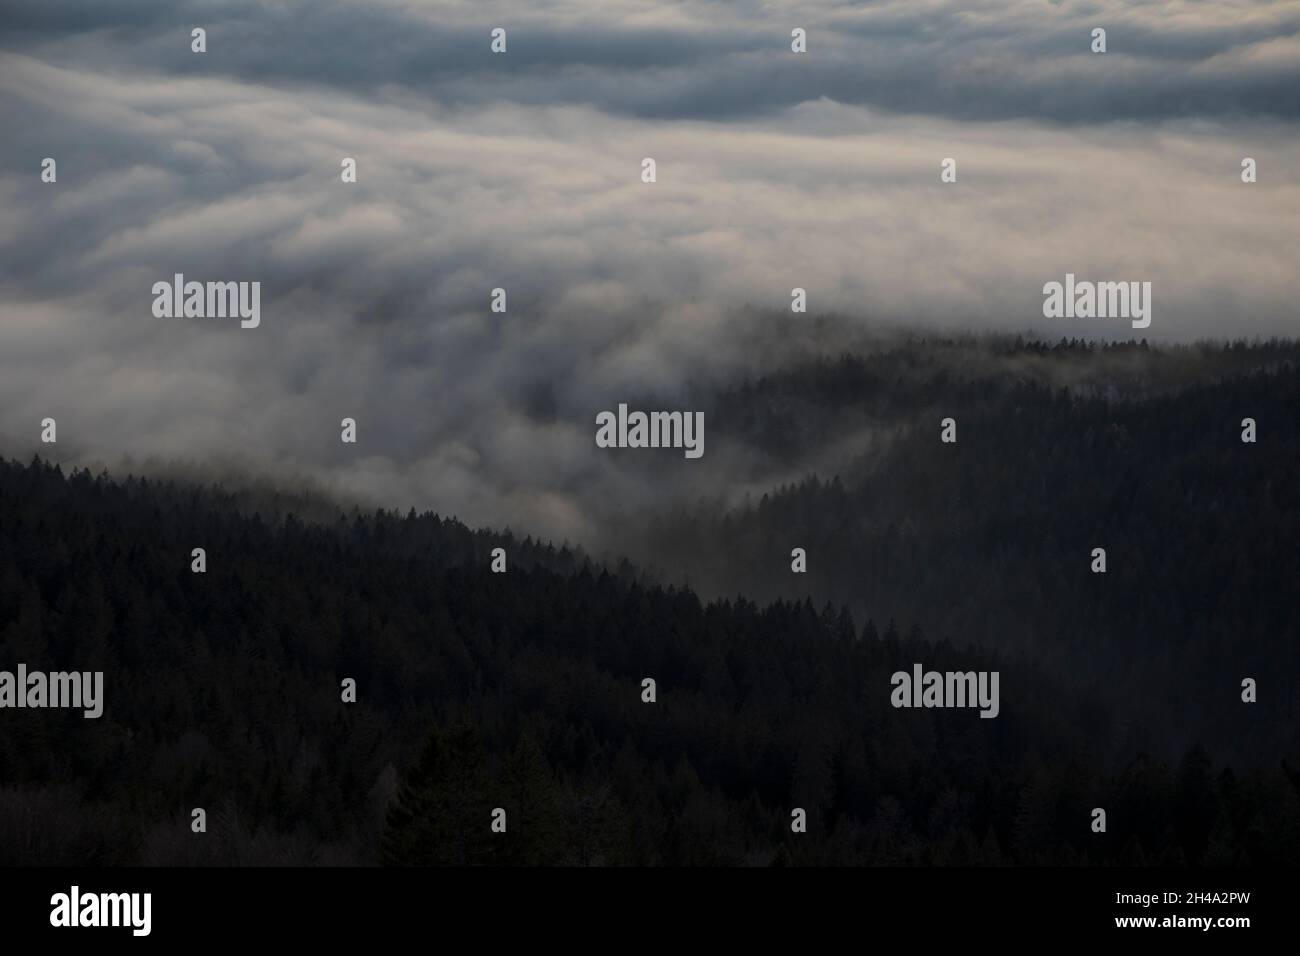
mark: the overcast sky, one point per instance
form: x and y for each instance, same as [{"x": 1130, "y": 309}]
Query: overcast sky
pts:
[{"x": 522, "y": 171}]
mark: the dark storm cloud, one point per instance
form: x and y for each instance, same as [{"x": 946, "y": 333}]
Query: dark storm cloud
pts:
[{"x": 1009, "y": 59}]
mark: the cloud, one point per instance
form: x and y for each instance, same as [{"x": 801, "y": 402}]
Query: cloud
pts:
[
  {"x": 523, "y": 172},
  {"x": 998, "y": 59}
]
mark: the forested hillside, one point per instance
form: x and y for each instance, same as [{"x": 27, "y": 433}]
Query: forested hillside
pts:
[
  {"x": 988, "y": 541},
  {"x": 522, "y": 690}
]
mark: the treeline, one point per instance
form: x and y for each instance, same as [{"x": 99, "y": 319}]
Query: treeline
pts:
[{"x": 523, "y": 691}]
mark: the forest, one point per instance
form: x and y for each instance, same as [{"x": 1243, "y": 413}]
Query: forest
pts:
[
  {"x": 988, "y": 541},
  {"x": 523, "y": 690}
]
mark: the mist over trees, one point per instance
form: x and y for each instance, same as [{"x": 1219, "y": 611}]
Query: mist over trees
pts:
[
  {"x": 522, "y": 690},
  {"x": 988, "y": 541}
]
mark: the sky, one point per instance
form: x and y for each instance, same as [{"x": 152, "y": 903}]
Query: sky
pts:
[{"x": 522, "y": 171}]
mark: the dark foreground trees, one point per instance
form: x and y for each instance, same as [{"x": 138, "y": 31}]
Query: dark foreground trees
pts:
[{"x": 522, "y": 691}]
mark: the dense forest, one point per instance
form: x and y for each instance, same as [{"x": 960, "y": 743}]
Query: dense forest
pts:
[
  {"x": 523, "y": 690},
  {"x": 988, "y": 541}
]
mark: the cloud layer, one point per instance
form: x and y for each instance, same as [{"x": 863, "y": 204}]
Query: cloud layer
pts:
[{"x": 522, "y": 171}]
